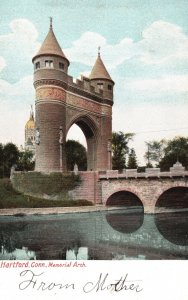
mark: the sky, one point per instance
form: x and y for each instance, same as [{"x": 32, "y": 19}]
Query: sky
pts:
[{"x": 144, "y": 45}]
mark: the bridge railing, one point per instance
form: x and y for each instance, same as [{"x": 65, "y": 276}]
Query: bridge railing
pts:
[{"x": 176, "y": 171}]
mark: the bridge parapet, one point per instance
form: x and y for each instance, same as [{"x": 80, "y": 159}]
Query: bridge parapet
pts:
[
  {"x": 177, "y": 168},
  {"x": 149, "y": 173},
  {"x": 153, "y": 172}
]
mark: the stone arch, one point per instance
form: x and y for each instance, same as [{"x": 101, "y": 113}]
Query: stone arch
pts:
[
  {"x": 90, "y": 131},
  {"x": 124, "y": 197},
  {"x": 174, "y": 198},
  {"x": 125, "y": 220}
]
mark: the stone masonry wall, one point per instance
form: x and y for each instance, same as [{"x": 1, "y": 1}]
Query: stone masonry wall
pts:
[
  {"x": 89, "y": 189},
  {"x": 148, "y": 190}
]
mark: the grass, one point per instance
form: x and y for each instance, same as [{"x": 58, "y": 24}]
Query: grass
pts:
[
  {"x": 9, "y": 198},
  {"x": 50, "y": 184}
]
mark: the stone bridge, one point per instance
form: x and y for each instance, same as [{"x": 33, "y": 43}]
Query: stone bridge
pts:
[{"x": 150, "y": 188}]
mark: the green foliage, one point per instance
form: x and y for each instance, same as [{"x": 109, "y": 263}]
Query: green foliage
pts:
[
  {"x": 25, "y": 162},
  {"x": 1, "y": 153},
  {"x": 1, "y": 161},
  {"x": 49, "y": 184},
  {"x": 76, "y": 154},
  {"x": 165, "y": 153},
  {"x": 154, "y": 152},
  {"x": 10, "y": 157},
  {"x": 175, "y": 150},
  {"x": 120, "y": 148},
  {"x": 132, "y": 160},
  {"x": 9, "y": 198}
]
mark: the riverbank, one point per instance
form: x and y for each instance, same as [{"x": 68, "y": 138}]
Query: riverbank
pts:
[
  {"x": 53, "y": 210},
  {"x": 78, "y": 209},
  {"x": 12, "y": 199}
]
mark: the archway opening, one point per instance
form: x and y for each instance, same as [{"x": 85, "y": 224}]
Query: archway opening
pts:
[
  {"x": 173, "y": 225},
  {"x": 83, "y": 129},
  {"x": 131, "y": 215},
  {"x": 76, "y": 149}
]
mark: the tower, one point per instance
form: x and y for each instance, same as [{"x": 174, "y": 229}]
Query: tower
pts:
[
  {"x": 30, "y": 133},
  {"x": 60, "y": 103},
  {"x": 50, "y": 81},
  {"x": 100, "y": 78}
]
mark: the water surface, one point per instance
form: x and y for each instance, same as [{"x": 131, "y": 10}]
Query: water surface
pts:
[{"x": 106, "y": 235}]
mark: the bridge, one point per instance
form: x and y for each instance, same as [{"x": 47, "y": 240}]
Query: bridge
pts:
[{"x": 151, "y": 189}]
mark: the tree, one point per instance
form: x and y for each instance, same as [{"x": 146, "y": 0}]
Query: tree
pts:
[
  {"x": 10, "y": 157},
  {"x": 26, "y": 161},
  {"x": 175, "y": 150},
  {"x": 132, "y": 160},
  {"x": 1, "y": 161},
  {"x": 154, "y": 153},
  {"x": 120, "y": 148},
  {"x": 76, "y": 154}
]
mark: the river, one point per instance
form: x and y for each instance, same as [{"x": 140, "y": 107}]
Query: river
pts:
[{"x": 104, "y": 235}]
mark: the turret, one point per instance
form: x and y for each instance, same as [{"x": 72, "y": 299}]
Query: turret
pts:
[
  {"x": 50, "y": 82},
  {"x": 101, "y": 79},
  {"x": 50, "y": 62}
]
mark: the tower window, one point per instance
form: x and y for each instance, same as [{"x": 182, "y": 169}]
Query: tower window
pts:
[
  {"x": 49, "y": 63},
  {"x": 100, "y": 85},
  {"x": 109, "y": 87},
  {"x": 37, "y": 65},
  {"x": 61, "y": 66}
]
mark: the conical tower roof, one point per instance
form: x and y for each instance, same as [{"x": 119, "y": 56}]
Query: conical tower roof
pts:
[
  {"x": 50, "y": 46},
  {"x": 99, "y": 70}
]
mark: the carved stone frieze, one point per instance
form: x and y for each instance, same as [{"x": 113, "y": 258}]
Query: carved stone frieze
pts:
[
  {"x": 88, "y": 105},
  {"x": 52, "y": 93}
]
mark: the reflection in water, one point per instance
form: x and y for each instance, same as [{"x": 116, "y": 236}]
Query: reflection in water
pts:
[
  {"x": 127, "y": 222},
  {"x": 116, "y": 234},
  {"x": 77, "y": 254},
  {"x": 173, "y": 227},
  {"x": 17, "y": 254}
]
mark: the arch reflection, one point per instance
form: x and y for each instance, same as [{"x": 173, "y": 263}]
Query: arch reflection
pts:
[
  {"x": 126, "y": 221},
  {"x": 173, "y": 225}
]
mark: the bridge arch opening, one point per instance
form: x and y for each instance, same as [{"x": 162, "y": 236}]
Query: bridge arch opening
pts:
[
  {"x": 86, "y": 130},
  {"x": 130, "y": 217},
  {"x": 175, "y": 198},
  {"x": 124, "y": 198},
  {"x": 173, "y": 224}
]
